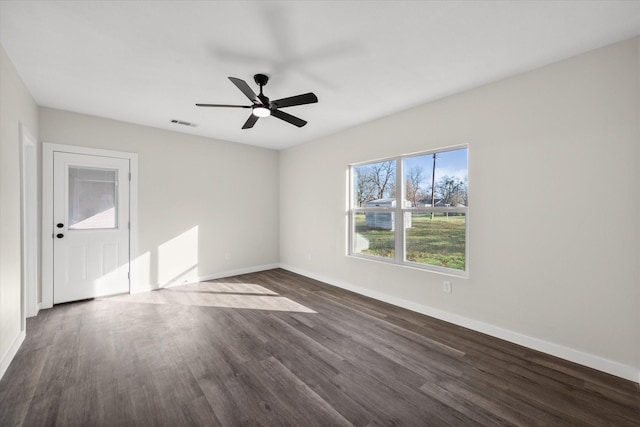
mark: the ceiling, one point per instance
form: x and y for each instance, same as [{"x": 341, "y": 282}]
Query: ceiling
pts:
[{"x": 149, "y": 62}]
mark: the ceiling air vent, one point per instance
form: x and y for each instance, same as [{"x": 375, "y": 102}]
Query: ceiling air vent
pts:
[{"x": 183, "y": 123}]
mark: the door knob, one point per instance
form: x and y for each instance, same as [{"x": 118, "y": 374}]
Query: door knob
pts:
[
  {"x": 59, "y": 235},
  {"x": 59, "y": 225}
]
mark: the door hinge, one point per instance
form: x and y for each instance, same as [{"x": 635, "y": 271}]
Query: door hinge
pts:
[
  {"x": 129, "y": 176},
  {"x": 128, "y": 275}
]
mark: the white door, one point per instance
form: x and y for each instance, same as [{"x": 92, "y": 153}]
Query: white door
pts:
[{"x": 90, "y": 226}]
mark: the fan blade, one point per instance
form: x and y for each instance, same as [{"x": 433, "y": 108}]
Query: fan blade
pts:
[
  {"x": 307, "y": 98},
  {"x": 244, "y": 87},
  {"x": 224, "y": 105},
  {"x": 288, "y": 118},
  {"x": 250, "y": 122}
]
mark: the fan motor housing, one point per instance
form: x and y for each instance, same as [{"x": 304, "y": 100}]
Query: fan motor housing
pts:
[{"x": 261, "y": 79}]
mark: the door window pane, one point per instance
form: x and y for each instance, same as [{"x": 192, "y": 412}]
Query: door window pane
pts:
[{"x": 92, "y": 198}]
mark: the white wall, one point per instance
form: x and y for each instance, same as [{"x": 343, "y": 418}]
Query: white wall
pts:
[
  {"x": 554, "y": 208},
  {"x": 16, "y": 106},
  {"x": 206, "y": 208}
]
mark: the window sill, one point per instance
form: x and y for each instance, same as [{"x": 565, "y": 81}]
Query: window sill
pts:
[{"x": 450, "y": 272}]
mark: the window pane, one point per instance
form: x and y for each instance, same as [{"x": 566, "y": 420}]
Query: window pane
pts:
[
  {"x": 92, "y": 198},
  {"x": 374, "y": 235},
  {"x": 437, "y": 240},
  {"x": 418, "y": 174},
  {"x": 446, "y": 187},
  {"x": 374, "y": 181}
]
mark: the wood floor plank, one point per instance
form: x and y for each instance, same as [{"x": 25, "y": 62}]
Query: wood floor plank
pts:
[
  {"x": 16, "y": 396},
  {"x": 278, "y": 349}
]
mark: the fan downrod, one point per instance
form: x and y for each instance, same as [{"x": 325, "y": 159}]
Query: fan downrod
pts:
[{"x": 261, "y": 79}]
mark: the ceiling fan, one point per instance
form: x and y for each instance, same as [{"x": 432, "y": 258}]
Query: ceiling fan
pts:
[{"x": 262, "y": 107}]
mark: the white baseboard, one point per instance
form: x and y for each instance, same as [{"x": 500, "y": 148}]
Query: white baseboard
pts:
[
  {"x": 572, "y": 355},
  {"x": 237, "y": 272},
  {"x": 8, "y": 357}
]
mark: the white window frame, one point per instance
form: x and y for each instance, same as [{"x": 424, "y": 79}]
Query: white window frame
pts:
[{"x": 400, "y": 211}]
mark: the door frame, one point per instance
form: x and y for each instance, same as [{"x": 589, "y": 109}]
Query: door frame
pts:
[{"x": 47, "y": 211}]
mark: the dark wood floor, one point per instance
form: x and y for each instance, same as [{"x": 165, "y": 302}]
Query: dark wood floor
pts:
[{"x": 275, "y": 348}]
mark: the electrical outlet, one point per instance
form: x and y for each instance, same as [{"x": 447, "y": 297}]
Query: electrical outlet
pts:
[{"x": 446, "y": 286}]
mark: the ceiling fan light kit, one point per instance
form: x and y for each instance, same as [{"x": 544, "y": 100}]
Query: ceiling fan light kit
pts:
[
  {"x": 261, "y": 112},
  {"x": 263, "y": 107}
]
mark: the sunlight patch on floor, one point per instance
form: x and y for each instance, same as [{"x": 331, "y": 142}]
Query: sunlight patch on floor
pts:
[{"x": 217, "y": 294}]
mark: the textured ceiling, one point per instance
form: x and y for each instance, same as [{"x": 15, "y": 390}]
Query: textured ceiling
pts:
[{"x": 149, "y": 62}]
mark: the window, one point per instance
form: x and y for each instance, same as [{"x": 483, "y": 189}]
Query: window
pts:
[
  {"x": 412, "y": 210},
  {"x": 92, "y": 198}
]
